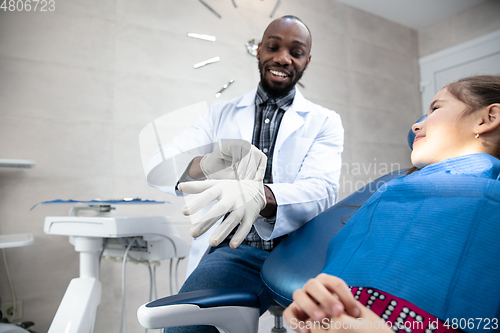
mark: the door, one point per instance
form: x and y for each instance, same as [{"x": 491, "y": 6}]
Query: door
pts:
[{"x": 475, "y": 57}]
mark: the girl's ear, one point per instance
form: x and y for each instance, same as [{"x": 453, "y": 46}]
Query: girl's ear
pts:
[{"x": 490, "y": 119}]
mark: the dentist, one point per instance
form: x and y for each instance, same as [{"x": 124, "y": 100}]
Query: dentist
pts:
[{"x": 279, "y": 168}]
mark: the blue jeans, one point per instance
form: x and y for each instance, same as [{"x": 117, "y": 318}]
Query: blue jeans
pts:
[{"x": 226, "y": 268}]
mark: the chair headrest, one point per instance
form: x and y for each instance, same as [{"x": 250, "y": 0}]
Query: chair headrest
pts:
[{"x": 411, "y": 135}]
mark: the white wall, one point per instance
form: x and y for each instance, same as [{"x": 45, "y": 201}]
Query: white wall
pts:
[
  {"x": 78, "y": 84},
  {"x": 469, "y": 24}
]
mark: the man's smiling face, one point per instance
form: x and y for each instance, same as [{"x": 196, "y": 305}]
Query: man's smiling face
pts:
[{"x": 283, "y": 55}]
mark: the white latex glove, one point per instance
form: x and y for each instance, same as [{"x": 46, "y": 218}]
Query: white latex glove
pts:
[
  {"x": 244, "y": 199},
  {"x": 236, "y": 159}
]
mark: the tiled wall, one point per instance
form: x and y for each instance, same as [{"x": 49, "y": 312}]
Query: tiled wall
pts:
[{"x": 78, "y": 84}]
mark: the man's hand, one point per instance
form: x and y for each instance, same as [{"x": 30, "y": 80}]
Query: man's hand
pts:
[
  {"x": 243, "y": 199},
  {"x": 237, "y": 159}
]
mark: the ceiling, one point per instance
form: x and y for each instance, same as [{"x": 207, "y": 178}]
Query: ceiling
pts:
[{"x": 415, "y": 14}]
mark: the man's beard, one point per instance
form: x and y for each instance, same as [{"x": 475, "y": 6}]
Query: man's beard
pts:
[{"x": 278, "y": 91}]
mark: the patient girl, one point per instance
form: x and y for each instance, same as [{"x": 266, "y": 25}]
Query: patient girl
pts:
[{"x": 422, "y": 253}]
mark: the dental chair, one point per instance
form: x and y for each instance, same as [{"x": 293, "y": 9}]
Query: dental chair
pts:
[{"x": 300, "y": 257}]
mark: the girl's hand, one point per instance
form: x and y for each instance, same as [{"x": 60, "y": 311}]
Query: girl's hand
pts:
[
  {"x": 328, "y": 301},
  {"x": 325, "y": 296}
]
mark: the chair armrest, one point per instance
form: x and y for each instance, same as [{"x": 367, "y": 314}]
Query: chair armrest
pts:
[{"x": 228, "y": 310}]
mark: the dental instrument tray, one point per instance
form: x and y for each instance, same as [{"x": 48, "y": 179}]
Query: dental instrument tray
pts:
[
  {"x": 164, "y": 241},
  {"x": 99, "y": 202}
]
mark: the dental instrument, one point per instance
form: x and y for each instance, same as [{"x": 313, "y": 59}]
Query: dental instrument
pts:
[
  {"x": 210, "y": 8},
  {"x": 201, "y": 36},
  {"x": 12, "y": 163},
  {"x": 252, "y": 46},
  {"x": 275, "y": 7},
  {"x": 206, "y": 62},
  {"x": 224, "y": 87}
]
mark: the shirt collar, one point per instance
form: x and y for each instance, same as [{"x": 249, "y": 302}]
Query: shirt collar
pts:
[{"x": 261, "y": 97}]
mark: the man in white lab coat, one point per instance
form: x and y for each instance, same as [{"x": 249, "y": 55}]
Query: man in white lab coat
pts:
[{"x": 302, "y": 142}]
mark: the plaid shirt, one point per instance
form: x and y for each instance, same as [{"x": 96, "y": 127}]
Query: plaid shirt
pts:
[{"x": 268, "y": 115}]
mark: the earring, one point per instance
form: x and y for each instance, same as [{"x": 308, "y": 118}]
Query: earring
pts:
[{"x": 477, "y": 135}]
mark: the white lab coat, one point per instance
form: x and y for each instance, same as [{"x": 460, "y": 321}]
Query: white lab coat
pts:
[{"x": 306, "y": 160}]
